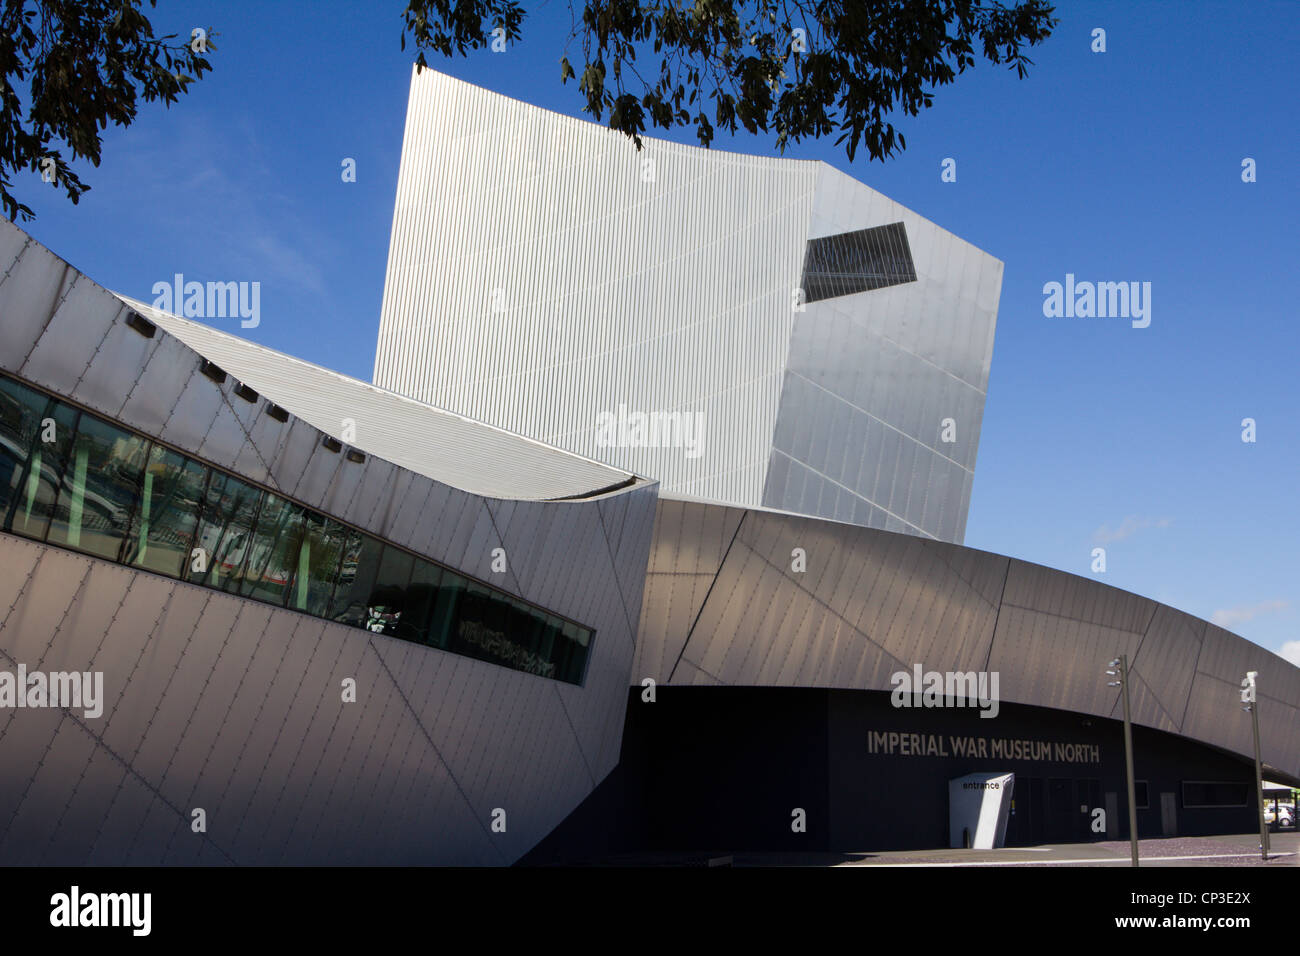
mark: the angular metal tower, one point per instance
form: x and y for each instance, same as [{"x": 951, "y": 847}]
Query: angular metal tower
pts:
[{"x": 747, "y": 330}]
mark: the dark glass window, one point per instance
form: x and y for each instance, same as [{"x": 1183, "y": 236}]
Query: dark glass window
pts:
[
  {"x": 356, "y": 579},
  {"x": 436, "y": 595},
  {"x": 273, "y": 550},
  {"x": 86, "y": 484},
  {"x": 23, "y": 436},
  {"x": 525, "y": 626},
  {"x": 486, "y": 628},
  {"x": 319, "y": 553},
  {"x": 451, "y": 594},
  {"x": 162, "y": 529},
  {"x": 229, "y": 508},
  {"x": 421, "y": 600},
  {"x": 857, "y": 262},
  {"x": 571, "y": 660},
  {"x": 386, "y": 609},
  {"x": 100, "y": 488},
  {"x": 1200, "y": 793},
  {"x": 552, "y": 633},
  {"x": 1140, "y": 795}
]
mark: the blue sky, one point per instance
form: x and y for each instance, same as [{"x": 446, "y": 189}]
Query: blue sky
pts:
[{"x": 1115, "y": 166}]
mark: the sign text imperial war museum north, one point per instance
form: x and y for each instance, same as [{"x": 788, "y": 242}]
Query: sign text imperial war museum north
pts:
[{"x": 894, "y": 743}]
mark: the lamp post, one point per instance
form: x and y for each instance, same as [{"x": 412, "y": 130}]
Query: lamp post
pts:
[
  {"x": 1250, "y": 699},
  {"x": 1120, "y": 669}
]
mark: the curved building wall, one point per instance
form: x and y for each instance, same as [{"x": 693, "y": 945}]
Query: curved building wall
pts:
[
  {"x": 723, "y": 606},
  {"x": 234, "y": 706},
  {"x": 543, "y": 273}
]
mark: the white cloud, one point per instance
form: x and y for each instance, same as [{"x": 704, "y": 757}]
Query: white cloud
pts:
[
  {"x": 1230, "y": 617},
  {"x": 1128, "y": 527},
  {"x": 1291, "y": 652}
]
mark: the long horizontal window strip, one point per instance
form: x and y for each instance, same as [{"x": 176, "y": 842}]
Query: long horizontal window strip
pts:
[
  {"x": 72, "y": 479},
  {"x": 857, "y": 261},
  {"x": 1213, "y": 793}
]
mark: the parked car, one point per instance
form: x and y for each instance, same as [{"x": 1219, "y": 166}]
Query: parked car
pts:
[{"x": 1283, "y": 816}]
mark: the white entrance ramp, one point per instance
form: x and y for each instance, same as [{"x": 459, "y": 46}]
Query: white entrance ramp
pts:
[{"x": 978, "y": 806}]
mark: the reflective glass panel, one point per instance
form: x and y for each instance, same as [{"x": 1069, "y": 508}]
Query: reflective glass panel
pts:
[
  {"x": 100, "y": 488},
  {"x": 28, "y": 432},
  {"x": 387, "y": 607},
  {"x": 229, "y": 507},
  {"x": 319, "y": 554},
  {"x": 273, "y": 550},
  {"x": 421, "y": 599},
  {"x": 356, "y": 579},
  {"x": 162, "y": 529}
]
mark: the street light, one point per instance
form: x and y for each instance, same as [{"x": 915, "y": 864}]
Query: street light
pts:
[
  {"x": 1121, "y": 663},
  {"x": 1249, "y": 698}
]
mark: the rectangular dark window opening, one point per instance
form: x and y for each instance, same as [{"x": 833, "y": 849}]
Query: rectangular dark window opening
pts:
[
  {"x": 857, "y": 262},
  {"x": 212, "y": 371},
  {"x": 142, "y": 325},
  {"x": 246, "y": 393},
  {"x": 1215, "y": 793},
  {"x": 276, "y": 412}
]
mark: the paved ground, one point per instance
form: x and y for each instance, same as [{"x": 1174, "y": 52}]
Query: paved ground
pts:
[{"x": 1236, "y": 850}]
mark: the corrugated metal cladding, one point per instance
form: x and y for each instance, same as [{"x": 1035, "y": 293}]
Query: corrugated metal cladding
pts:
[
  {"x": 884, "y": 391},
  {"x": 661, "y": 281},
  {"x": 224, "y": 704},
  {"x": 444, "y": 446},
  {"x": 723, "y": 605},
  {"x": 543, "y": 273}
]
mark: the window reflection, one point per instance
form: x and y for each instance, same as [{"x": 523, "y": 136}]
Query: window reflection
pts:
[
  {"x": 316, "y": 570},
  {"x": 84, "y": 483},
  {"x": 35, "y": 433},
  {"x": 228, "y": 511},
  {"x": 387, "y": 608},
  {"x": 100, "y": 486},
  {"x": 271, "y": 550},
  {"x": 162, "y": 529},
  {"x": 356, "y": 579}
]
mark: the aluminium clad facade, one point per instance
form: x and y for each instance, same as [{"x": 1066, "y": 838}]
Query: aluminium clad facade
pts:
[
  {"x": 234, "y": 706},
  {"x": 724, "y": 607},
  {"x": 543, "y": 273}
]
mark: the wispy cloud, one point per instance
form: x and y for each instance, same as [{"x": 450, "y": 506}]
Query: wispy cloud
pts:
[
  {"x": 1127, "y": 528},
  {"x": 1291, "y": 651},
  {"x": 284, "y": 260},
  {"x": 1231, "y": 617}
]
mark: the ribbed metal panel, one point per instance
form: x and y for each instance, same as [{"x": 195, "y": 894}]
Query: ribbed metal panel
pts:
[
  {"x": 873, "y": 375},
  {"x": 448, "y": 447},
  {"x": 678, "y": 295},
  {"x": 671, "y": 295}
]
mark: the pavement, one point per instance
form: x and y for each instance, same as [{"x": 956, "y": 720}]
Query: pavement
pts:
[{"x": 1234, "y": 850}]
